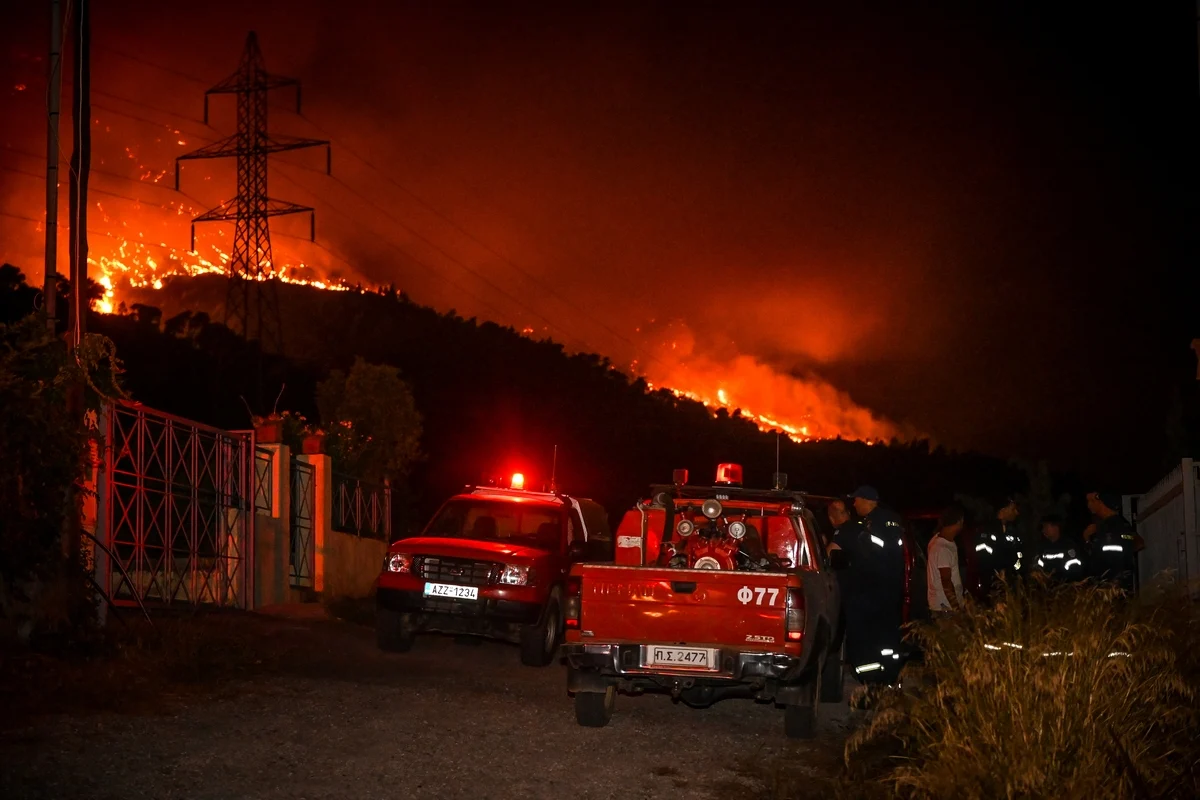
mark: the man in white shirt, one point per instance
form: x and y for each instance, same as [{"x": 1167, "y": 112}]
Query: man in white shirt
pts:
[{"x": 945, "y": 585}]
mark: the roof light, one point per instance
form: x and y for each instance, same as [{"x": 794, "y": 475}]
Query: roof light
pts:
[
  {"x": 679, "y": 477},
  {"x": 729, "y": 474},
  {"x": 518, "y": 481}
]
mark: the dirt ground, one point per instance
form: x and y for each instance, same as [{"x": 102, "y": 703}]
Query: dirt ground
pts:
[{"x": 307, "y": 707}]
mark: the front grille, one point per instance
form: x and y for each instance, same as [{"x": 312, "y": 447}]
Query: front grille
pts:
[
  {"x": 456, "y": 608},
  {"x": 461, "y": 571}
]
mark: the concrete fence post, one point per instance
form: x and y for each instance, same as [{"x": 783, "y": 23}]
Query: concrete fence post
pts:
[{"x": 322, "y": 516}]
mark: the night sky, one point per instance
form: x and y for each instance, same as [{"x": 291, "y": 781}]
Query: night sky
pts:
[{"x": 978, "y": 222}]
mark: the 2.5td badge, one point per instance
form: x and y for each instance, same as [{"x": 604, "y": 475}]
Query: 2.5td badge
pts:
[{"x": 754, "y": 637}]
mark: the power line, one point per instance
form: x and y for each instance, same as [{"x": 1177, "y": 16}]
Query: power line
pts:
[
  {"x": 159, "y": 206},
  {"x": 463, "y": 231},
  {"x": 409, "y": 256},
  {"x": 425, "y": 239}
]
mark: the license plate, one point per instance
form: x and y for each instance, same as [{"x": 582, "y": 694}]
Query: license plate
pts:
[
  {"x": 684, "y": 657},
  {"x": 452, "y": 591}
]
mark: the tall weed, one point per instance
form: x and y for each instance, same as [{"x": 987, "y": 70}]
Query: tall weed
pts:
[{"x": 1065, "y": 692}]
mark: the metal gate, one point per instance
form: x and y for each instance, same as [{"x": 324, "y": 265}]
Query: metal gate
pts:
[
  {"x": 177, "y": 511},
  {"x": 303, "y": 497}
]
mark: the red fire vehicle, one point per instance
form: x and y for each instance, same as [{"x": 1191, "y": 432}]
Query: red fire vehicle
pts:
[
  {"x": 717, "y": 591},
  {"x": 492, "y": 562}
]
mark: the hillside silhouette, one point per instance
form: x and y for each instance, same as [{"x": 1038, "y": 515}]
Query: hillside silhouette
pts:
[{"x": 494, "y": 402}]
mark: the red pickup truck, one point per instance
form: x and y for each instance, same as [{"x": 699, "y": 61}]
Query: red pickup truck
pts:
[
  {"x": 716, "y": 592},
  {"x": 492, "y": 562}
]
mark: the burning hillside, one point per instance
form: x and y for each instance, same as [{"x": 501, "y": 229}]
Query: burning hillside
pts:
[
  {"x": 803, "y": 409},
  {"x": 138, "y": 225}
]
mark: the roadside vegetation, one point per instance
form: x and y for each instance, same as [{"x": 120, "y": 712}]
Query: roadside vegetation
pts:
[{"x": 1064, "y": 692}]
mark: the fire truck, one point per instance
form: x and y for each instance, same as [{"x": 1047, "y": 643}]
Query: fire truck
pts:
[
  {"x": 716, "y": 591},
  {"x": 492, "y": 562}
]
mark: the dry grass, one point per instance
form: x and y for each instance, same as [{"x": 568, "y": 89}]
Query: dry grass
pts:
[{"x": 1068, "y": 692}]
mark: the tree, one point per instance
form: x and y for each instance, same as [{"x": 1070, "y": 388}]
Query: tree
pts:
[
  {"x": 371, "y": 423},
  {"x": 46, "y": 455}
]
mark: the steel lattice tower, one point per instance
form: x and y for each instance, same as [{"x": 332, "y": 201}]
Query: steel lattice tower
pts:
[{"x": 252, "y": 305}]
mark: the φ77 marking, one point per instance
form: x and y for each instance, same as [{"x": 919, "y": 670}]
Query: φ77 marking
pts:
[{"x": 746, "y": 594}]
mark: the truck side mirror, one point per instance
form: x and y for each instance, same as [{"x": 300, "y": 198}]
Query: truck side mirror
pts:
[
  {"x": 577, "y": 550},
  {"x": 839, "y": 559}
]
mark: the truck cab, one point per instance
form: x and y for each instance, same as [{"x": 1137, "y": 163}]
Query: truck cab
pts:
[
  {"x": 717, "y": 591},
  {"x": 492, "y": 562}
]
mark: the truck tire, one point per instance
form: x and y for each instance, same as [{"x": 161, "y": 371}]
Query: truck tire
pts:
[
  {"x": 391, "y": 633},
  {"x": 595, "y": 709},
  {"x": 833, "y": 677},
  {"x": 800, "y": 719},
  {"x": 539, "y": 643},
  {"x": 800, "y": 722}
]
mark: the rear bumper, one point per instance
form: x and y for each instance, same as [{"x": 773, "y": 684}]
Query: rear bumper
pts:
[
  {"x": 501, "y": 619},
  {"x": 623, "y": 662}
]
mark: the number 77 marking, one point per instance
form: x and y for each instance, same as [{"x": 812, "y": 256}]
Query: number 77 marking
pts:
[{"x": 774, "y": 596}]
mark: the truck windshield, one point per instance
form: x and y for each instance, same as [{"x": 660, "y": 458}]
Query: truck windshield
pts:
[{"x": 499, "y": 521}]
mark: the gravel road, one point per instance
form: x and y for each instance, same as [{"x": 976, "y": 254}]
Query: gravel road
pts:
[{"x": 447, "y": 720}]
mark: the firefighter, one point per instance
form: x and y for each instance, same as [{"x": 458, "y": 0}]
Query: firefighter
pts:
[
  {"x": 875, "y": 589},
  {"x": 841, "y": 522},
  {"x": 1057, "y": 556},
  {"x": 998, "y": 546},
  {"x": 1112, "y": 542}
]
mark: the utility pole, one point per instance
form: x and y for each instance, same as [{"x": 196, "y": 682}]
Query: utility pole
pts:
[
  {"x": 81, "y": 162},
  {"x": 54, "y": 102},
  {"x": 252, "y": 305}
]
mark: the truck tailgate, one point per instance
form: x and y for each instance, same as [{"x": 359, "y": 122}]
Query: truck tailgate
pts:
[{"x": 683, "y": 606}]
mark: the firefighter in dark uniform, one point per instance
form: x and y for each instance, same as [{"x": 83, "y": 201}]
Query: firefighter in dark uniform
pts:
[
  {"x": 1112, "y": 542},
  {"x": 874, "y": 600},
  {"x": 1057, "y": 556},
  {"x": 998, "y": 547}
]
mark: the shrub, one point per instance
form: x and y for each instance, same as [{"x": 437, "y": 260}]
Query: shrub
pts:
[{"x": 1052, "y": 691}]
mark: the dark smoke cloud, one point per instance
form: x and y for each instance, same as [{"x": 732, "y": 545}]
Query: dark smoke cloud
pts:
[{"x": 954, "y": 217}]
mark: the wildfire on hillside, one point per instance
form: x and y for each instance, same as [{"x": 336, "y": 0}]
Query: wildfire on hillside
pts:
[
  {"x": 803, "y": 410},
  {"x": 133, "y": 264},
  {"x": 129, "y": 253}
]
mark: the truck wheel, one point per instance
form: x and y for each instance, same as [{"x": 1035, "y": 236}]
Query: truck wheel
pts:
[
  {"x": 800, "y": 722},
  {"x": 595, "y": 709},
  {"x": 539, "y": 643},
  {"x": 833, "y": 677},
  {"x": 392, "y": 635},
  {"x": 800, "y": 719}
]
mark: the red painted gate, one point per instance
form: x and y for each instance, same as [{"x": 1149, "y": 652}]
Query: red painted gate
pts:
[{"x": 175, "y": 510}]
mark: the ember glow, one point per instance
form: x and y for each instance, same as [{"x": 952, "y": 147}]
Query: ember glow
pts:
[{"x": 138, "y": 263}]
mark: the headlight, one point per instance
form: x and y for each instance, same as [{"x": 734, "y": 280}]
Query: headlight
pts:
[
  {"x": 398, "y": 562},
  {"x": 737, "y": 529},
  {"x": 685, "y": 527},
  {"x": 516, "y": 575}
]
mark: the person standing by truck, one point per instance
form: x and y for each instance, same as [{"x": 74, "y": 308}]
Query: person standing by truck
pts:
[
  {"x": 943, "y": 578},
  {"x": 1058, "y": 556},
  {"x": 1113, "y": 542},
  {"x": 875, "y": 602},
  {"x": 998, "y": 547}
]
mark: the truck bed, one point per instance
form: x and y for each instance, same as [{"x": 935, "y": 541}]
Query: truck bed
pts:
[{"x": 658, "y": 605}]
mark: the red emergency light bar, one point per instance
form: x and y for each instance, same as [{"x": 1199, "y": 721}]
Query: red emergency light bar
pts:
[{"x": 729, "y": 474}]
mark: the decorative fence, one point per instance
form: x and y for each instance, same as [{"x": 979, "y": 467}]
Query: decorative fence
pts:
[
  {"x": 361, "y": 508},
  {"x": 177, "y": 510}
]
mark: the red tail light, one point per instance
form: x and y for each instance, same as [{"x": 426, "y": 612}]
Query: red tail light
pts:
[
  {"x": 795, "y": 615},
  {"x": 572, "y": 605}
]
